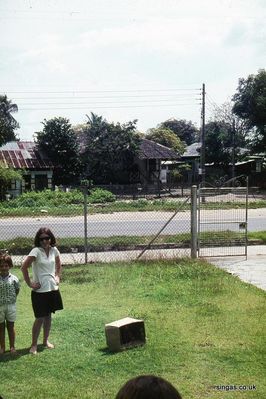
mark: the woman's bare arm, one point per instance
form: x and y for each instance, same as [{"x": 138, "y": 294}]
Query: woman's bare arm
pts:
[{"x": 24, "y": 268}]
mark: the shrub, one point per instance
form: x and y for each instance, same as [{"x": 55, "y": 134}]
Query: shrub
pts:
[
  {"x": 49, "y": 198},
  {"x": 44, "y": 198},
  {"x": 99, "y": 195}
]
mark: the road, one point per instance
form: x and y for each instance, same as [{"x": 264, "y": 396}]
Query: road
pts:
[{"x": 130, "y": 223}]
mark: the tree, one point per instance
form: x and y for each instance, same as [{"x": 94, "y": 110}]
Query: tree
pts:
[
  {"x": 218, "y": 143},
  {"x": 184, "y": 130},
  {"x": 59, "y": 142},
  {"x": 166, "y": 137},
  {"x": 109, "y": 150},
  {"x": 240, "y": 134},
  {"x": 250, "y": 105},
  {"x": 239, "y": 127},
  {"x": 7, "y": 123},
  {"x": 7, "y": 175}
]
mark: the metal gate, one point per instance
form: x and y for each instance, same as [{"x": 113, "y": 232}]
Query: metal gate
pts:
[{"x": 222, "y": 219}]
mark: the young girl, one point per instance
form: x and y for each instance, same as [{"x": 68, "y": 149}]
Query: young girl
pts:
[{"x": 9, "y": 289}]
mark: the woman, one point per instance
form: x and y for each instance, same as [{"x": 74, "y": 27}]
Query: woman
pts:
[{"x": 45, "y": 295}]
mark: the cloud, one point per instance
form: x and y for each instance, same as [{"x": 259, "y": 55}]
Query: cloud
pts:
[{"x": 164, "y": 35}]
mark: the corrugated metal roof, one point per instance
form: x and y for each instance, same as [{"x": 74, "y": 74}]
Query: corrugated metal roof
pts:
[
  {"x": 192, "y": 150},
  {"x": 151, "y": 150},
  {"x": 24, "y": 155}
]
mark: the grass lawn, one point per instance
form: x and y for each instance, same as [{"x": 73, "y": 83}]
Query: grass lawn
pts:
[{"x": 204, "y": 328}]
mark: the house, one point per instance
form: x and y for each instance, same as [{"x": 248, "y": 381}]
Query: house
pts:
[
  {"x": 36, "y": 167},
  {"x": 150, "y": 161},
  {"x": 191, "y": 156}
]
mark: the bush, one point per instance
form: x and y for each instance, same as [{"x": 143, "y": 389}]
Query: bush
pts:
[
  {"x": 99, "y": 195},
  {"x": 49, "y": 198},
  {"x": 44, "y": 198}
]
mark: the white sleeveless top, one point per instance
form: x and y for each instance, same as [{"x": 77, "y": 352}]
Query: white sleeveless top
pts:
[{"x": 43, "y": 268}]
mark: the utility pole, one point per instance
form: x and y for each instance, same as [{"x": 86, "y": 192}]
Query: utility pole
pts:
[
  {"x": 202, "y": 151},
  {"x": 233, "y": 150}
]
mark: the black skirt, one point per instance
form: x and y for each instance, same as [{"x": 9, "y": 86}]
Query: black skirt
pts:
[{"x": 45, "y": 303}]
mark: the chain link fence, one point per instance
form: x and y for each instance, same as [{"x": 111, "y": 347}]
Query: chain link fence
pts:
[
  {"x": 114, "y": 228},
  {"x": 98, "y": 226},
  {"x": 223, "y": 219}
]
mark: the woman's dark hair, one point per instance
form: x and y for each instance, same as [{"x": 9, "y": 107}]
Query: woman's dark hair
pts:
[
  {"x": 44, "y": 230},
  {"x": 5, "y": 258},
  {"x": 148, "y": 387}
]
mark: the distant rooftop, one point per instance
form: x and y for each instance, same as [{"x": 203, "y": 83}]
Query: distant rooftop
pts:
[
  {"x": 24, "y": 155},
  {"x": 148, "y": 149},
  {"x": 151, "y": 150},
  {"x": 192, "y": 150}
]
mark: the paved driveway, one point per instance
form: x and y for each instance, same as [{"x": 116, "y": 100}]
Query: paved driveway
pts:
[{"x": 251, "y": 270}]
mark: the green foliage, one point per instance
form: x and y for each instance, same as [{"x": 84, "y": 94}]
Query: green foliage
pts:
[
  {"x": 99, "y": 195},
  {"x": 7, "y": 175},
  {"x": 49, "y": 198},
  {"x": 166, "y": 137},
  {"x": 108, "y": 150},
  {"x": 23, "y": 245},
  {"x": 250, "y": 105},
  {"x": 7, "y": 123},
  {"x": 59, "y": 203},
  {"x": 218, "y": 141},
  {"x": 175, "y": 176},
  {"x": 237, "y": 126},
  {"x": 184, "y": 130},
  {"x": 45, "y": 198},
  {"x": 59, "y": 142}
]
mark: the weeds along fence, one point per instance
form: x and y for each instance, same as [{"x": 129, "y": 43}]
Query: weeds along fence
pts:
[{"x": 95, "y": 226}]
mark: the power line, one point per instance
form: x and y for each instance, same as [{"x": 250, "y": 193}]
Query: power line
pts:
[
  {"x": 105, "y": 107},
  {"x": 211, "y": 101},
  {"x": 83, "y": 14},
  {"x": 101, "y": 102},
  {"x": 104, "y": 91},
  {"x": 102, "y": 97}
]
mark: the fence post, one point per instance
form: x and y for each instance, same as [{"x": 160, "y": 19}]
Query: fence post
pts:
[
  {"x": 193, "y": 222},
  {"x": 85, "y": 192}
]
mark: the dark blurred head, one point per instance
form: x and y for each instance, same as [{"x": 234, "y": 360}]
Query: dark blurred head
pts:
[{"x": 148, "y": 387}]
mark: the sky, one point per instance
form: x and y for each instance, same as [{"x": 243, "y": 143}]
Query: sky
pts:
[{"x": 126, "y": 59}]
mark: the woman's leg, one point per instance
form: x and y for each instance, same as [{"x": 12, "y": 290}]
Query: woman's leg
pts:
[
  {"x": 2, "y": 337},
  {"x": 36, "y": 328},
  {"x": 11, "y": 334},
  {"x": 47, "y": 321}
]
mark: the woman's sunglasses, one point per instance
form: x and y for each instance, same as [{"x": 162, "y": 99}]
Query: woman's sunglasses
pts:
[{"x": 44, "y": 238}]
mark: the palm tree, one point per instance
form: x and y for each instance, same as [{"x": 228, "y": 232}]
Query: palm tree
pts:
[
  {"x": 7, "y": 122},
  {"x": 94, "y": 119}
]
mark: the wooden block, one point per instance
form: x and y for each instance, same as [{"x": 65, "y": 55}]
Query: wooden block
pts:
[{"x": 125, "y": 333}]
